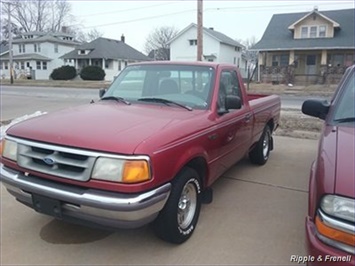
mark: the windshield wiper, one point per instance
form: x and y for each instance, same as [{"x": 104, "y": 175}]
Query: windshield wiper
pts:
[
  {"x": 345, "y": 119},
  {"x": 165, "y": 101},
  {"x": 118, "y": 99}
]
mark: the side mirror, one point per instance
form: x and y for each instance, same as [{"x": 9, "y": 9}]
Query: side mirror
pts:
[
  {"x": 316, "y": 108},
  {"x": 102, "y": 92},
  {"x": 233, "y": 102}
]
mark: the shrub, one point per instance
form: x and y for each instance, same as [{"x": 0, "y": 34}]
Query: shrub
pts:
[
  {"x": 92, "y": 73},
  {"x": 63, "y": 73}
]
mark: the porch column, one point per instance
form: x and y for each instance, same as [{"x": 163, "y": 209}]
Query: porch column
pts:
[
  {"x": 103, "y": 63},
  {"x": 323, "y": 60},
  {"x": 261, "y": 60},
  {"x": 291, "y": 57},
  {"x": 90, "y": 63},
  {"x": 323, "y": 68}
]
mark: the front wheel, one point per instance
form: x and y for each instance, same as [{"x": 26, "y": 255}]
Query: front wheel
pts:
[
  {"x": 177, "y": 221},
  {"x": 260, "y": 153}
]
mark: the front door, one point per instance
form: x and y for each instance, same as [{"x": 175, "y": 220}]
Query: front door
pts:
[{"x": 311, "y": 65}]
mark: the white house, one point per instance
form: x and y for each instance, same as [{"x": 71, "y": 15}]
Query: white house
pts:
[
  {"x": 111, "y": 55},
  {"x": 36, "y": 54},
  {"x": 217, "y": 47}
]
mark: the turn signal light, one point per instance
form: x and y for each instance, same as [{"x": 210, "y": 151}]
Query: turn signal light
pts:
[
  {"x": 335, "y": 234},
  {"x": 135, "y": 171}
]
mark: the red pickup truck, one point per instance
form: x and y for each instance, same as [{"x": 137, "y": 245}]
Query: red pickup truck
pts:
[{"x": 147, "y": 151}]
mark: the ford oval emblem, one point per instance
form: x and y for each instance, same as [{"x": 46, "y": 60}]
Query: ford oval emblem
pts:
[{"x": 48, "y": 161}]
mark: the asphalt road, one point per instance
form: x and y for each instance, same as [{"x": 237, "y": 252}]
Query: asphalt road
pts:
[
  {"x": 16, "y": 100},
  {"x": 256, "y": 217}
]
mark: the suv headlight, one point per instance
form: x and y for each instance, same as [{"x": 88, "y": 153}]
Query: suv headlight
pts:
[
  {"x": 335, "y": 222},
  {"x": 340, "y": 207},
  {"x": 120, "y": 170},
  {"x": 9, "y": 149}
]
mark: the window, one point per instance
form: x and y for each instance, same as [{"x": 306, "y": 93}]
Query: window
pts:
[
  {"x": 38, "y": 64},
  {"x": 1, "y": 65},
  {"x": 284, "y": 60},
  {"x": 6, "y": 65},
  {"x": 275, "y": 61},
  {"x": 119, "y": 65},
  {"x": 44, "y": 65},
  {"x": 22, "y": 65},
  {"x": 35, "y": 48},
  {"x": 56, "y": 48},
  {"x": 304, "y": 32},
  {"x": 237, "y": 49},
  {"x": 193, "y": 42},
  {"x": 28, "y": 64},
  {"x": 322, "y": 31},
  {"x": 229, "y": 85},
  {"x": 82, "y": 52},
  {"x": 280, "y": 60},
  {"x": 21, "y": 48},
  {"x": 313, "y": 32}
]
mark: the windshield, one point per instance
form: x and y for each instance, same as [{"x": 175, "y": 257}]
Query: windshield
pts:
[
  {"x": 186, "y": 85},
  {"x": 345, "y": 107}
]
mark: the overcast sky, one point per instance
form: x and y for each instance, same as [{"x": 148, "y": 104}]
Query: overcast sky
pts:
[{"x": 235, "y": 18}]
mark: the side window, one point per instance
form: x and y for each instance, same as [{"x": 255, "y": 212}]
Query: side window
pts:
[{"x": 229, "y": 85}]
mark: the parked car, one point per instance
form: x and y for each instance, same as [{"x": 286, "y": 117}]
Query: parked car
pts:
[
  {"x": 330, "y": 223},
  {"x": 148, "y": 151}
]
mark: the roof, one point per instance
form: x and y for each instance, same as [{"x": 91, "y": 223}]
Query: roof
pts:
[
  {"x": 278, "y": 36},
  {"x": 27, "y": 57},
  {"x": 219, "y": 36},
  {"x": 53, "y": 37},
  {"x": 108, "y": 49}
]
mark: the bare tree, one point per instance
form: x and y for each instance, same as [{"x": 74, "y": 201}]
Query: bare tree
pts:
[
  {"x": 38, "y": 15},
  {"x": 158, "y": 42}
]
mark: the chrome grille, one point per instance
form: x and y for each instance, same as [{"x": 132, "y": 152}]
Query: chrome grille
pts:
[{"x": 55, "y": 160}]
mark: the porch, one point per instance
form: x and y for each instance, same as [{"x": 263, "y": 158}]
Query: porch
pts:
[{"x": 304, "y": 67}]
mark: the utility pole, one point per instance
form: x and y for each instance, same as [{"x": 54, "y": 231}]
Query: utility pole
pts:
[
  {"x": 10, "y": 44},
  {"x": 199, "y": 30}
]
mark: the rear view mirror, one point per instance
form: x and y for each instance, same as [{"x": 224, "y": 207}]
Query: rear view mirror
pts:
[
  {"x": 233, "y": 102},
  {"x": 316, "y": 108}
]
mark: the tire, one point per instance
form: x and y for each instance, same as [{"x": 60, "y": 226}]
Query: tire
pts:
[
  {"x": 260, "y": 153},
  {"x": 177, "y": 221}
]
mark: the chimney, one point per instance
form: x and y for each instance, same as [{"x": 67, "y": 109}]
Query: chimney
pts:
[
  {"x": 64, "y": 29},
  {"x": 315, "y": 8},
  {"x": 123, "y": 38},
  {"x": 211, "y": 28}
]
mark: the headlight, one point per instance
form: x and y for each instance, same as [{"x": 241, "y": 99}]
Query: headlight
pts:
[
  {"x": 335, "y": 222},
  {"x": 9, "y": 149},
  {"x": 119, "y": 170},
  {"x": 339, "y": 207}
]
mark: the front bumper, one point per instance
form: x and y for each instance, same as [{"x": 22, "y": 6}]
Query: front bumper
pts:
[
  {"x": 89, "y": 206},
  {"x": 321, "y": 253}
]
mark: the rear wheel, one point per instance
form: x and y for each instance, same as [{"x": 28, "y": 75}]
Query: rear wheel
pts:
[
  {"x": 177, "y": 221},
  {"x": 260, "y": 153}
]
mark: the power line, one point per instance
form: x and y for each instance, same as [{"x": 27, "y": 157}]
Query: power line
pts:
[
  {"x": 138, "y": 19},
  {"x": 125, "y": 10}
]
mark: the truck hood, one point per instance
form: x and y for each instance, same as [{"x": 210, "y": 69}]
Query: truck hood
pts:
[
  {"x": 104, "y": 126},
  {"x": 345, "y": 170}
]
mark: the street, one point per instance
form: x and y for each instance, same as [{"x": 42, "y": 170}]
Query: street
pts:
[
  {"x": 256, "y": 217},
  {"x": 17, "y": 100}
]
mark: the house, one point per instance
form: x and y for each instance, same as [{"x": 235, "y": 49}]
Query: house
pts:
[
  {"x": 111, "y": 55},
  {"x": 37, "y": 54},
  {"x": 217, "y": 47},
  {"x": 307, "y": 48}
]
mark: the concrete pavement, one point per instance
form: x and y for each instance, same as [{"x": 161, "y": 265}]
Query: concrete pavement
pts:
[{"x": 257, "y": 217}]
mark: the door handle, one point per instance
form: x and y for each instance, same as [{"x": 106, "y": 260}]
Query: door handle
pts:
[{"x": 247, "y": 118}]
